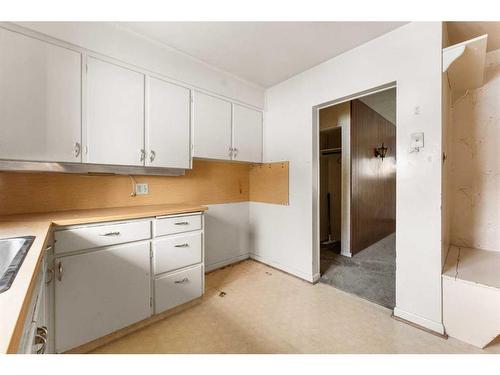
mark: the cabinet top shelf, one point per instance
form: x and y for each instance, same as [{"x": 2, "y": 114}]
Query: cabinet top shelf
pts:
[{"x": 464, "y": 63}]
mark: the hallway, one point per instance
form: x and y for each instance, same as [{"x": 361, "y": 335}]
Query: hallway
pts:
[{"x": 369, "y": 274}]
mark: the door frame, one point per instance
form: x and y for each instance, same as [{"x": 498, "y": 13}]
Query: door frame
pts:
[{"x": 316, "y": 169}]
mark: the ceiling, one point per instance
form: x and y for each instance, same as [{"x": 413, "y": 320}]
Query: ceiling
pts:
[
  {"x": 461, "y": 31},
  {"x": 384, "y": 103},
  {"x": 264, "y": 53}
]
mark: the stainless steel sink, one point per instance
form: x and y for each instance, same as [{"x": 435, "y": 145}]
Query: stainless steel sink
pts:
[{"x": 12, "y": 254}]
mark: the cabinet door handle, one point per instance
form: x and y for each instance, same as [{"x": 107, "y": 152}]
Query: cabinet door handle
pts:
[
  {"x": 235, "y": 152},
  {"x": 77, "y": 149},
  {"x": 143, "y": 154},
  {"x": 230, "y": 152},
  {"x": 42, "y": 331},
  {"x": 39, "y": 339},
  {"x": 183, "y": 281},
  {"x": 152, "y": 156},
  {"x": 182, "y": 223},
  {"x": 109, "y": 234},
  {"x": 182, "y": 245},
  {"x": 59, "y": 271}
]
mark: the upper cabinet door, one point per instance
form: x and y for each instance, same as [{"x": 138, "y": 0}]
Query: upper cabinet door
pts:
[
  {"x": 211, "y": 127},
  {"x": 115, "y": 114},
  {"x": 40, "y": 100},
  {"x": 168, "y": 127},
  {"x": 247, "y": 134}
]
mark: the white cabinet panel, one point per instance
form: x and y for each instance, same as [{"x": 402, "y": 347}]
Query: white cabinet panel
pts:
[
  {"x": 115, "y": 114},
  {"x": 211, "y": 127},
  {"x": 178, "y": 288},
  {"x": 40, "y": 100},
  {"x": 100, "y": 292},
  {"x": 168, "y": 127},
  {"x": 101, "y": 235},
  {"x": 174, "y": 252},
  {"x": 177, "y": 224},
  {"x": 247, "y": 134}
]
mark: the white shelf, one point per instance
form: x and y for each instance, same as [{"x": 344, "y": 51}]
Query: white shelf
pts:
[
  {"x": 464, "y": 63},
  {"x": 473, "y": 265}
]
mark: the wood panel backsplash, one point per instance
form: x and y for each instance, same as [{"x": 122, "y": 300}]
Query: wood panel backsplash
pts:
[{"x": 209, "y": 182}]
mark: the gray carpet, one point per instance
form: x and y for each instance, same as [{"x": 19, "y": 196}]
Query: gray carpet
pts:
[{"x": 369, "y": 274}]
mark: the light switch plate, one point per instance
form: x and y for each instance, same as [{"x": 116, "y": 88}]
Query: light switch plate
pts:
[
  {"x": 417, "y": 141},
  {"x": 141, "y": 189}
]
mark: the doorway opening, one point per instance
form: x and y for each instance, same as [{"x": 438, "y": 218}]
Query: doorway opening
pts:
[{"x": 357, "y": 195}]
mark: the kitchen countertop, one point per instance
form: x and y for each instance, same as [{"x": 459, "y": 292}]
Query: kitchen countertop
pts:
[{"x": 15, "y": 301}]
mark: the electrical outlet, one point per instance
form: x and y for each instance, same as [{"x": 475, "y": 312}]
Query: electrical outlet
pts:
[
  {"x": 417, "y": 141},
  {"x": 141, "y": 189}
]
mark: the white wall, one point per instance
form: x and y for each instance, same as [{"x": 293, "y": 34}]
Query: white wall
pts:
[
  {"x": 283, "y": 235},
  {"x": 445, "y": 171},
  {"x": 226, "y": 234},
  {"x": 475, "y": 164},
  {"x": 114, "y": 41}
]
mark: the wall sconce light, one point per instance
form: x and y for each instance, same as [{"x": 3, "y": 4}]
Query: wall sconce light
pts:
[{"x": 381, "y": 151}]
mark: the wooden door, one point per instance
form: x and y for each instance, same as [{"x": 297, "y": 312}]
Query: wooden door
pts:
[
  {"x": 40, "y": 100},
  {"x": 100, "y": 292},
  {"x": 373, "y": 180},
  {"x": 211, "y": 127},
  {"x": 115, "y": 114},
  {"x": 168, "y": 128},
  {"x": 247, "y": 134}
]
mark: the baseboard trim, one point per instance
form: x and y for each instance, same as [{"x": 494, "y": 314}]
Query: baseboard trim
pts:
[
  {"x": 419, "y": 322},
  {"x": 310, "y": 278},
  {"x": 226, "y": 262},
  {"x": 316, "y": 277}
]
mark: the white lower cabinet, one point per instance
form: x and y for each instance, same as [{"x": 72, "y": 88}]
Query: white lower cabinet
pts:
[
  {"x": 177, "y": 288},
  {"x": 99, "y": 292},
  {"x": 103, "y": 274}
]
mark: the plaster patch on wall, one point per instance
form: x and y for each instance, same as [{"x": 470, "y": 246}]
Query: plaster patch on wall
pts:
[{"x": 475, "y": 164}]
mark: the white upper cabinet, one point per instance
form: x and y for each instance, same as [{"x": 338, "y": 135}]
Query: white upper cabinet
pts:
[
  {"x": 168, "y": 127},
  {"x": 115, "y": 114},
  {"x": 247, "y": 134},
  {"x": 40, "y": 100},
  {"x": 211, "y": 127}
]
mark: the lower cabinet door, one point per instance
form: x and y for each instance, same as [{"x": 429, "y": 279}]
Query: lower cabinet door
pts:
[
  {"x": 99, "y": 292},
  {"x": 177, "y": 288}
]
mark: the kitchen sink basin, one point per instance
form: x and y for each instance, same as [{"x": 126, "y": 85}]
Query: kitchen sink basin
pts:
[{"x": 12, "y": 254}]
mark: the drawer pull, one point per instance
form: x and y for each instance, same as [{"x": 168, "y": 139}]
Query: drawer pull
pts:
[
  {"x": 182, "y": 245},
  {"x": 108, "y": 234},
  {"x": 182, "y": 223},
  {"x": 183, "y": 281}
]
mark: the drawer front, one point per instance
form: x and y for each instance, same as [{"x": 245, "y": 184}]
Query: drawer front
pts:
[
  {"x": 100, "y": 235},
  {"x": 171, "y": 253},
  {"x": 178, "y": 288},
  {"x": 179, "y": 224}
]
